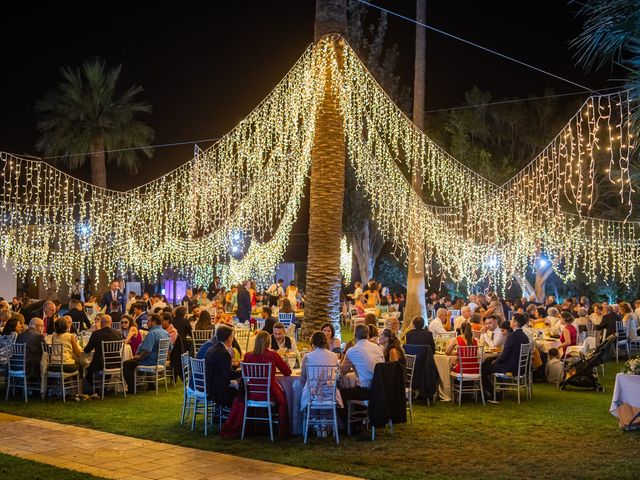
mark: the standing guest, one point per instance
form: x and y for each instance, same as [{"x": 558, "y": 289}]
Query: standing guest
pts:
[
  {"x": 78, "y": 315},
  {"x": 71, "y": 352},
  {"x": 276, "y": 293},
  {"x": 170, "y": 329},
  {"x": 319, "y": 356},
  {"x": 358, "y": 290},
  {"x": 261, "y": 354},
  {"x": 132, "y": 298},
  {"x": 372, "y": 294},
  {"x": 222, "y": 380},
  {"x": 244, "y": 302},
  {"x": 418, "y": 335},
  {"x": 188, "y": 301},
  {"x": 113, "y": 295},
  {"x": 16, "y": 305},
  {"x": 147, "y": 353},
  {"x": 329, "y": 331},
  {"x": 280, "y": 340},
  {"x": 33, "y": 338},
  {"x": 292, "y": 294},
  {"x": 130, "y": 333},
  {"x": 104, "y": 334},
  {"x": 391, "y": 346},
  {"x": 269, "y": 320}
]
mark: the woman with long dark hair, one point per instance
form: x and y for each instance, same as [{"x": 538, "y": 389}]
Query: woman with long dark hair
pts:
[
  {"x": 465, "y": 339},
  {"x": 393, "y": 351}
]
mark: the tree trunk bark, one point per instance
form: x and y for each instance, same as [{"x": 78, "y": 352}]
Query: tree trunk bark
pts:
[
  {"x": 415, "y": 305},
  {"x": 361, "y": 242},
  {"x": 98, "y": 165},
  {"x": 322, "y": 301},
  {"x": 331, "y": 17}
]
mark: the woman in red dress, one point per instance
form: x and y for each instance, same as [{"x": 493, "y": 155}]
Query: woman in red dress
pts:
[
  {"x": 463, "y": 340},
  {"x": 569, "y": 335},
  {"x": 232, "y": 428}
]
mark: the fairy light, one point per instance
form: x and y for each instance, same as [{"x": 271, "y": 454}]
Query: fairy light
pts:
[{"x": 346, "y": 260}]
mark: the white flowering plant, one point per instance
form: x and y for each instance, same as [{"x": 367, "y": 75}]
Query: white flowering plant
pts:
[{"x": 632, "y": 366}]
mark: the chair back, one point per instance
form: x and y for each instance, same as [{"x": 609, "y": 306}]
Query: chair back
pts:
[
  {"x": 257, "y": 381},
  {"x": 455, "y": 313},
  {"x": 55, "y": 354},
  {"x": 242, "y": 337},
  {"x": 112, "y": 354},
  {"x": 260, "y": 323},
  {"x": 163, "y": 352},
  {"x": 469, "y": 359},
  {"x": 116, "y": 325},
  {"x": 525, "y": 358},
  {"x": 621, "y": 331},
  {"x": 199, "y": 376},
  {"x": 285, "y": 318},
  {"x": 581, "y": 337},
  {"x": 186, "y": 371},
  {"x": 17, "y": 358},
  {"x": 353, "y": 312},
  {"x": 322, "y": 380},
  {"x": 76, "y": 326},
  {"x": 200, "y": 337},
  {"x": 409, "y": 368}
]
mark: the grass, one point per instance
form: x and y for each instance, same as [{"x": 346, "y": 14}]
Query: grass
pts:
[
  {"x": 15, "y": 468},
  {"x": 558, "y": 434}
]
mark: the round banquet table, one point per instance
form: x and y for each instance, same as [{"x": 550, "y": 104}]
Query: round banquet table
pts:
[
  {"x": 443, "y": 365},
  {"x": 293, "y": 391},
  {"x": 625, "y": 404}
]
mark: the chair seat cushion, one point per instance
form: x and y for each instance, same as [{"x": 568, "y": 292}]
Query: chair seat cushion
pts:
[
  {"x": 466, "y": 376},
  {"x": 149, "y": 368},
  {"x": 260, "y": 403}
]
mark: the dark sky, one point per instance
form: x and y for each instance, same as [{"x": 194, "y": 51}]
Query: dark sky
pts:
[{"x": 205, "y": 65}]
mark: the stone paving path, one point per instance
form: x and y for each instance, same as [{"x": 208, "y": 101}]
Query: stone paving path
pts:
[{"x": 117, "y": 456}]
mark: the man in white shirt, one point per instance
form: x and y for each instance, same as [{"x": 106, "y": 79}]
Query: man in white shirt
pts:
[
  {"x": 276, "y": 293},
  {"x": 491, "y": 335},
  {"x": 553, "y": 321},
  {"x": 156, "y": 302},
  {"x": 438, "y": 325},
  {"x": 362, "y": 358},
  {"x": 465, "y": 315}
]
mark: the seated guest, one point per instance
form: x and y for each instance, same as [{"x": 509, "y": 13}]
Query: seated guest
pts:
[
  {"x": 418, "y": 335},
  {"x": 465, "y": 339},
  {"x": 582, "y": 321},
  {"x": 280, "y": 340},
  {"x": 509, "y": 359},
  {"x": 71, "y": 352},
  {"x": 70, "y": 327},
  {"x": 204, "y": 321},
  {"x": 465, "y": 314},
  {"x": 269, "y": 320},
  {"x": 630, "y": 321},
  {"x": 78, "y": 315},
  {"x": 104, "y": 334},
  {"x": 383, "y": 306},
  {"x": 168, "y": 327},
  {"x": 394, "y": 325},
  {"x": 553, "y": 369},
  {"x": 140, "y": 315},
  {"x": 440, "y": 324},
  {"x": 361, "y": 358},
  {"x": 609, "y": 320},
  {"x": 222, "y": 380},
  {"x": 476, "y": 322},
  {"x": 115, "y": 311},
  {"x": 261, "y": 354},
  {"x": 505, "y": 328},
  {"x": 147, "y": 353},
  {"x": 131, "y": 299},
  {"x": 392, "y": 348},
  {"x": 329, "y": 331},
  {"x": 491, "y": 336},
  {"x": 33, "y": 338},
  {"x": 553, "y": 322},
  {"x": 130, "y": 333},
  {"x": 319, "y": 356},
  {"x": 539, "y": 316},
  {"x": 569, "y": 334}
]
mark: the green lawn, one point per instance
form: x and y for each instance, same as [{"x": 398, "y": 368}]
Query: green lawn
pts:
[
  {"x": 558, "y": 435},
  {"x": 14, "y": 468}
]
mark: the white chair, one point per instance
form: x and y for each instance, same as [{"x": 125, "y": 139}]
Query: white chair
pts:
[
  {"x": 291, "y": 331},
  {"x": 117, "y": 326},
  {"x": 469, "y": 380},
  {"x": 519, "y": 379},
  {"x": 187, "y": 389},
  {"x": 199, "y": 338},
  {"x": 621, "y": 340},
  {"x": 242, "y": 337},
  {"x": 17, "y": 372},
  {"x": 144, "y": 374},
  {"x": 260, "y": 323},
  {"x": 76, "y": 326},
  {"x": 200, "y": 397},
  {"x": 112, "y": 358},
  {"x": 410, "y": 366},
  {"x": 257, "y": 394},
  {"x": 55, "y": 371},
  {"x": 322, "y": 380},
  {"x": 285, "y": 318}
]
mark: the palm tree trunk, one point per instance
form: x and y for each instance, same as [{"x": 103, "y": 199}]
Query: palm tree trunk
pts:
[
  {"x": 322, "y": 301},
  {"x": 415, "y": 305},
  {"x": 98, "y": 165}
]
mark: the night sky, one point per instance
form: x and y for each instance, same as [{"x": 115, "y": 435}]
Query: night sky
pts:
[{"x": 205, "y": 65}]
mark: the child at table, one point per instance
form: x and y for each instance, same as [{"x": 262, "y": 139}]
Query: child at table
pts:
[{"x": 553, "y": 369}]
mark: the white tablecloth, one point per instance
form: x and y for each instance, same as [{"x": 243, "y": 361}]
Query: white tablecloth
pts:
[
  {"x": 293, "y": 391},
  {"x": 444, "y": 364},
  {"x": 626, "y": 390}
]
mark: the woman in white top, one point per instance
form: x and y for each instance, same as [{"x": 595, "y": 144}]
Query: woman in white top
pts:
[
  {"x": 292, "y": 295},
  {"x": 319, "y": 356},
  {"x": 630, "y": 321},
  {"x": 70, "y": 349}
]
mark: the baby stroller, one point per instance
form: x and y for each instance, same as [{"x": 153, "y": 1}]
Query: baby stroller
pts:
[{"x": 583, "y": 373}]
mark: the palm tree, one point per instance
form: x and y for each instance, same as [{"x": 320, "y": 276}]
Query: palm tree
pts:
[
  {"x": 322, "y": 301},
  {"x": 85, "y": 117}
]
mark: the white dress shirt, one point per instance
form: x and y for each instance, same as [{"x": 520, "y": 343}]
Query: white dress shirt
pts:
[
  {"x": 492, "y": 339},
  {"x": 436, "y": 327},
  {"x": 362, "y": 357}
]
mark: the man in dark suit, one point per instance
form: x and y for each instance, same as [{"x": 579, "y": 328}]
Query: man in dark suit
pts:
[
  {"x": 49, "y": 316},
  {"x": 188, "y": 301},
  {"x": 220, "y": 375},
  {"x": 78, "y": 315},
  {"x": 113, "y": 295},
  {"x": 140, "y": 314},
  {"x": 269, "y": 321},
  {"x": 33, "y": 337},
  {"x": 104, "y": 334},
  {"x": 115, "y": 311},
  {"x": 419, "y": 336},
  {"x": 244, "y": 302},
  {"x": 509, "y": 359},
  {"x": 609, "y": 320}
]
